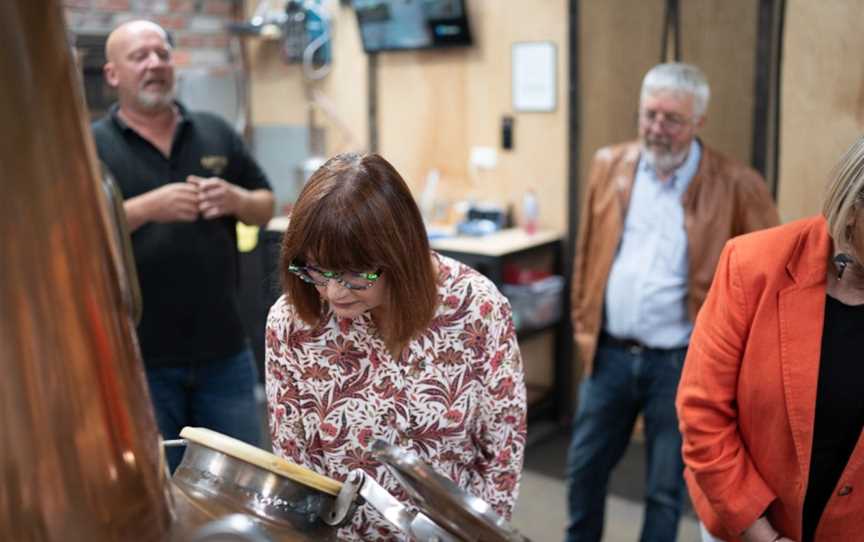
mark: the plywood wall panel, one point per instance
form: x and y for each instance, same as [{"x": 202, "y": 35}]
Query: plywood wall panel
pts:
[
  {"x": 435, "y": 105},
  {"x": 275, "y": 89},
  {"x": 720, "y": 38},
  {"x": 822, "y": 98},
  {"x": 345, "y": 89},
  {"x": 422, "y": 114},
  {"x": 619, "y": 40},
  {"x": 279, "y": 93}
]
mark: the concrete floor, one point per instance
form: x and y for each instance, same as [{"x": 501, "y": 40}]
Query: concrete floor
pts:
[{"x": 541, "y": 513}]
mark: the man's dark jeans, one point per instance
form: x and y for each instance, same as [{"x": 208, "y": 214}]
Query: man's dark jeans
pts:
[
  {"x": 624, "y": 382},
  {"x": 216, "y": 394}
]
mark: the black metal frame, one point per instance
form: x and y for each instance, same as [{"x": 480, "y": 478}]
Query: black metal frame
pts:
[
  {"x": 372, "y": 101},
  {"x": 766, "y": 112},
  {"x": 567, "y": 401}
]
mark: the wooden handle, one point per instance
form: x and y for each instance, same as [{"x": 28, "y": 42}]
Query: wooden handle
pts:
[{"x": 260, "y": 458}]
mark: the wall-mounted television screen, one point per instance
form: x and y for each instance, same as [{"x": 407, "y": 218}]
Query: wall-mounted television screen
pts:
[{"x": 393, "y": 25}]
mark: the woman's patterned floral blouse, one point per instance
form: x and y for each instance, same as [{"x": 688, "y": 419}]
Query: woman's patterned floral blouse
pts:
[{"x": 456, "y": 397}]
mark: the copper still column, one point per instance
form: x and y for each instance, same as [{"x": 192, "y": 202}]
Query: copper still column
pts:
[{"x": 79, "y": 448}]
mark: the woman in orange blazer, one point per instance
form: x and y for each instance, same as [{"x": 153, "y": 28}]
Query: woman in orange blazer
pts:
[{"x": 771, "y": 398}]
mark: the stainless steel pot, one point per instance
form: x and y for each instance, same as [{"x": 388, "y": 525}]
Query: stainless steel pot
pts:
[{"x": 220, "y": 475}]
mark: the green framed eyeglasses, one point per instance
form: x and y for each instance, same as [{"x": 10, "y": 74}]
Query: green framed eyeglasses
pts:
[{"x": 348, "y": 279}]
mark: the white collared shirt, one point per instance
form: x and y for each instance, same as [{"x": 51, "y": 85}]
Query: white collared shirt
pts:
[{"x": 647, "y": 289}]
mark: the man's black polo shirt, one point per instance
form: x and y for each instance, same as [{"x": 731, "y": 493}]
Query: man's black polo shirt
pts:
[{"x": 188, "y": 271}]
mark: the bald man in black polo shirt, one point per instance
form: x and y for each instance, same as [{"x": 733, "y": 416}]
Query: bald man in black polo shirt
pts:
[{"x": 186, "y": 179}]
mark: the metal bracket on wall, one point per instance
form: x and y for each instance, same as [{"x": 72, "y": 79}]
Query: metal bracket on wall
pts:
[{"x": 671, "y": 23}]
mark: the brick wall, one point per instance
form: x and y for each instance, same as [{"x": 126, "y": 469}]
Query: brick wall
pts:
[{"x": 196, "y": 25}]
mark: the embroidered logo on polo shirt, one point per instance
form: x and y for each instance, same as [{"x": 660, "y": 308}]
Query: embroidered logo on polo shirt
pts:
[{"x": 216, "y": 164}]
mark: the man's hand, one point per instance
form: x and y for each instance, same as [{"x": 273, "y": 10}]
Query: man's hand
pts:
[
  {"x": 217, "y": 197},
  {"x": 174, "y": 202}
]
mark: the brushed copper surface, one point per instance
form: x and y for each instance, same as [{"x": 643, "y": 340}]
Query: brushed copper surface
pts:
[{"x": 79, "y": 451}]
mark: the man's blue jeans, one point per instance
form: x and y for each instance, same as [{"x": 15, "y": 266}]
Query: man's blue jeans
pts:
[
  {"x": 624, "y": 382},
  {"x": 216, "y": 394}
]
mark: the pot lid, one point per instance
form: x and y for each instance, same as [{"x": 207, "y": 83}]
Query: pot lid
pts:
[{"x": 454, "y": 509}]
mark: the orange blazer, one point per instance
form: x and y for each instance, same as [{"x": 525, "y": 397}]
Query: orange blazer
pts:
[{"x": 747, "y": 397}]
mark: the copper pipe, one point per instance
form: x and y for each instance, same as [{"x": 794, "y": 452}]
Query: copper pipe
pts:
[{"x": 79, "y": 452}]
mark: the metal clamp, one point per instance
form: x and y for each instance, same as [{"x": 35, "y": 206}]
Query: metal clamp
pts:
[
  {"x": 346, "y": 501},
  {"x": 360, "y": 487}
]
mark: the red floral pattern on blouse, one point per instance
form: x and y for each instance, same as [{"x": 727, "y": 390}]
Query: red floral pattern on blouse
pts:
[{"x": 456, "y": 398}]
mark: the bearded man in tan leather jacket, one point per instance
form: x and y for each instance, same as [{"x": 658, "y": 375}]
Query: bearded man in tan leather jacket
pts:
[{"x": 656, "y": 216}]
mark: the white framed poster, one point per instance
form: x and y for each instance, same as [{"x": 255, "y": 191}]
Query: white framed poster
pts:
[{"x": 533, "y": 76}]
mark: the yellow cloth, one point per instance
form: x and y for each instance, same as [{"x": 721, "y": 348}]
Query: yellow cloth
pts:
[{"x": 247, "y": 237}]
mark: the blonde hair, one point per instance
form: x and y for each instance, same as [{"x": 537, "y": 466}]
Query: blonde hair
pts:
[{"x": 844, "y": 191}]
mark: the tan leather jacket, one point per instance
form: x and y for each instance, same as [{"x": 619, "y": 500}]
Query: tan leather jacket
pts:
[{"x": 724, "y": 199}]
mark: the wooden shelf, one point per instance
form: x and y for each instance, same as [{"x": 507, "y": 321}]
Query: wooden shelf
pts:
[
  {"x": 495, "y": 244},
  {"x": 489, "y": 255}
]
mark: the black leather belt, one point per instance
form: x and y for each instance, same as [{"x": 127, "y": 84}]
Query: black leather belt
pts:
[{"x": 629, "y": 344}]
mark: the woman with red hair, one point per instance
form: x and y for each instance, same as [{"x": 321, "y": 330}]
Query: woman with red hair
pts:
[{"x": 378, "y": 337}]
